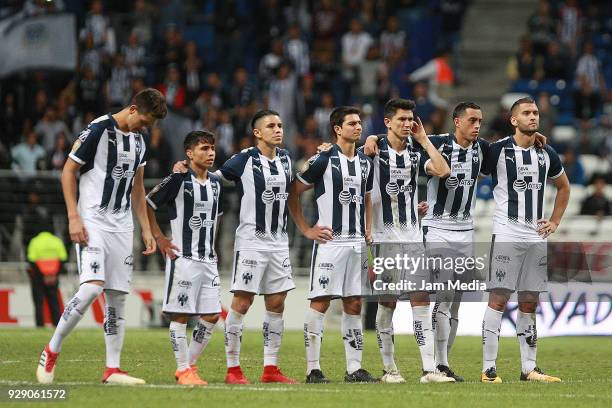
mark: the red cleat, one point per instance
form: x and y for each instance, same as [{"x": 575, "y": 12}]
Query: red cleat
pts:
[
  {"x": 235, "y": 376},
  {"x": 46, "y": 366},
  {"x": 118, "y": 376},
  {"x": 273, "y": 374}
]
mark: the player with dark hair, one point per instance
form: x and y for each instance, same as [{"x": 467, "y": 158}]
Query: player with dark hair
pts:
[
  {"x": 192, "y": 279},
  {"x": 110, "y": 156}
]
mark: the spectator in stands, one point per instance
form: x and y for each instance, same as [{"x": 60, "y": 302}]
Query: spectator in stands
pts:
[
  {"x": 27, "y": 154},
  {"x": 573, "y": 167},
  {"x": 369, "y": 72},
  {"x": 556, "y": 63},
  {"x": 424, "y": 106},
  {"x": 134, "y": 55},
  {"x": 91, "y": 57},
  {"x": 524, "y": 65},
  {"x": 392, "y": 38},
  {"x": 452, "y": 12},
  {"x": 57, "y": 157},
  {"x": 597, "y": 203},
  {"x": 296, "y": 49},
  {"x": 500, "y": 125},
  {"x": 307, "y": 99},
  {"x": 5, "y": 157},
  {"x": 192, "y": 67},
  {"x": 98, "y": 25},
  {"x": 118, "y": 85},
  {"x": 11, "y": 120},
  {"x": 321, "y": 115},
  {"x": 355, "y": 45},
  {"x": 548, "y": 114},
  {"x": 326, "y": 22},
  {"x": 159, "y": 155},
  {"x": 89, "y": 92},
  {"x": 46, "y": 255},
  {"x": 241, "y": 92},
  {"x": 282, "y": 98},
  {"x": 142, "y": 21},
  {"x": 172, "y": 89},
  {"x": 270, "y": 62},
  {"x": 171, "y": 50},
  {"x": 590, "y": 84},
  {"x": 440, "y": 76},
  {"x": 542, "y": 27},
  {"x": 38, "y": 7},
  {"x": 224, "y": 146},
  {"x": 36, "y": 111},
  {"x": 570, "y": 25},
  {"x": 48, "y": 127}
]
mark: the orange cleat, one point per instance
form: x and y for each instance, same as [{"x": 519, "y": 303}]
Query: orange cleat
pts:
[
  {"x": 118, "y": 376},
  {"x": 188, "y": 376},
  {"x": 235, "y": 376},
  {"x": 273, "y": 374}
]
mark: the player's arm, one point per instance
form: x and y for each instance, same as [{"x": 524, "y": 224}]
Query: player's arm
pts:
[
  {"x": 166, "y": 247},
  {"x": 368, "y": 215},
  {"x": 436, "y": 165},
  {"x": 549, "y": 226},
  {"x": 316, "y": 232},
  {"x": 78, "y": 233},
  {"x": 140, "y": 207}
]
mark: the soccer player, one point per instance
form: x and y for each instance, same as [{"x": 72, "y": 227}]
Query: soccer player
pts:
[
  {"x": 110, "y": 156},
  {"x": 518, "y": 249},
  {"x": 192, "y": 279},
  {"x": 396, "y": 229},
  {"x": 261, "y": 251},
  {"x": 342, "y": 179}
]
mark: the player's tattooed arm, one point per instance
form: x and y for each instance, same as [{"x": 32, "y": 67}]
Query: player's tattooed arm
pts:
[
  {"x": 316, "y": 232},
  {"x": 549, "y": 226},
  {"x": 78, "y": 233},
  {"x": 437, "y": 166},
  {"x": 140, "y": 207}
]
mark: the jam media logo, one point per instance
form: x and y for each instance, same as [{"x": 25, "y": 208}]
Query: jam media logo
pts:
[
  {"x": 195, "y": 222},
  {"x": 323, "y": 281},
  {"x": 183, "y": 298},
  {"x": 247, "y": 277}
]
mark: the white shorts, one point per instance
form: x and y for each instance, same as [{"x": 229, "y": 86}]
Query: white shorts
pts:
[
  {"x": 411, "y": 275},
  {"x": 107, "y": 257},
  {"x": 262, "y": 272},
  {"x": 518, "y": 265},
  {"x": 192, "y": 287},
  {"x": 337, "y": 270},
  {"x": 453, "y": 247}
]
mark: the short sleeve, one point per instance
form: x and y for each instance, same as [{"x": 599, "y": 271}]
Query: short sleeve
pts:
[
  {"x": 556, "y": 168},
  {"x": 166, "y": 191},
  {"x": 313, "y": 169},
  {"x": 485, "y": 148},
  {"x": 233, "y": 168},
  {"x": 145, "y": 140},
  {"x": 85, "y": 146}
]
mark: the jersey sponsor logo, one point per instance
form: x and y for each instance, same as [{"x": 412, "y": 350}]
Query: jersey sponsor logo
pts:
[
  {"x": 326, "y": 265},
  {"x": 393, "y": 189},
  {"x": 526, "y": 171},
  {"x": 308, "y": 163},
  {"x": 75, "y": 146},
  {"x": 521, "y": 186},
  {"x": 249, "y": 262},
  {"x": 129, "y": 260},
  {"x": 184, "y": 284},
  {"x": 202, "y": 206},
  {"x": 118, "y": 173},
  {"x": 399, "y": 173},
  {"x": 275, "y": 181},
  {"x": 502, "y": 258},
  {"x": 195, "y": 222},
  {"x": 335, "y": 166},
  {"x": 268, "y": 196},
  {"x": 83, "y": 135},
  {"x": 286, "y": 263},
  {"x": 345, "y": 198},
  {"x": 451, "y": 183},
  {"x": 351, "y": 182}
]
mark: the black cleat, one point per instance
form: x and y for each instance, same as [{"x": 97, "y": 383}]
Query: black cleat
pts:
[
  {"x": 490, "y": 376},
  {"x": 449, "y": 373},
  {"x": 360, "y": 376},
  {"x": 316, "y": 377}
]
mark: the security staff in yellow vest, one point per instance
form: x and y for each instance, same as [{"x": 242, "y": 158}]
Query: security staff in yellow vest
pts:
[{"x": 46, "y": 257}]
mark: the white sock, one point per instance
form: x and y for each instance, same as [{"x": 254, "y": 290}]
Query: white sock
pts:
[
  {"x": 528, "y": 340},
  {"x": 491, "y": 326},
  {"x": 423, "y": 334},
  {"x": 442, "y": 328},
  {"x": 233, "y": 338},
  {"x": 384, "y": 334},
  {"x": 313, "y": 334},
  {"x": 352, "y": 334},
  {"x": 273, "y": 327},
  {"x": 114, "y": 327},
  {"x": 454, "y": 321},
  {"x": 178, "y": 339},
  {"x": 73, "y": 313},
  {"x": 199, "y": 340}
]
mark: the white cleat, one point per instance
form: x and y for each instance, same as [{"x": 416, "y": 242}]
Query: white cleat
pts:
[
  {"x": 435, "y": 377},
  {"x": 392, "y": 377},
  {"x": 118, "y": 376},
  {"x": 45, "y": 372}
]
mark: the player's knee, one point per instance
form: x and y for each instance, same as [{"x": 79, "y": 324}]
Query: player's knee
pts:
[
  {"x": 320, "y": 305},
  {"x": 352, "y": 305},
  {"x": 275, "y": 303},
  {"x": 179, "y": 318},
  {"x": 528, "y": 307},
  {"x": 211, "y": 318},
  {"x": 242, "y": 302},
  {"x": 419, "y": 299},
  {"x": 390, "y": 305}
]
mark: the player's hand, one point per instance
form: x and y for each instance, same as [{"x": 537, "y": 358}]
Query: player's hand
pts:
[
  {"x": 78, "y": 233},
  {"x": 166, "y": 247},
  {"x": 368, "y": 237},
  {"x": 323, "y": 147},
  {"x": 371, "y": 145},
  {"x": 423, "y": 207},
  {"x": 319, "y": 233},
  {"x": 546, "y": 227},
  {"x": 540, "y": 140},
  {"x": 149, "y": 243},
  {"x": 418, "y": 132},
  {"x": 180, "y": 167}
]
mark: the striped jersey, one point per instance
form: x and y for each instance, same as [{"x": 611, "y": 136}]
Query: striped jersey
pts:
[
  {"x": 395, "y": 193},
  {"x": 452, "y": 199},
  {"x": 194, "y": 209},
  {"x": 340, "y": 187},
  {"x": 263, "y": 188},
  {"x": 109, "y": 159},
  {"x": 519, "y": 183}
]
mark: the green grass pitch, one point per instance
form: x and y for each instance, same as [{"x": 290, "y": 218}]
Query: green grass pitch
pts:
[{"x": 584, "y": 364}]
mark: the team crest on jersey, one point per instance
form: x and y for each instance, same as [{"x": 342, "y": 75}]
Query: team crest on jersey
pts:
[
  {"x": 138, "y": 143},
  {"x": 364, "y": 168},
  {"x": 475, "y": 158},
  {"x": 94, "y": 266},
  {"x": 183, "y": 298},
  {"x": 246, "y": 277},
  {"x": 541, "y": 158},
  {"x": 500, "y": 274},
  {"x": 323, "y": 281},
  {"x": 414, "y": 158}
]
